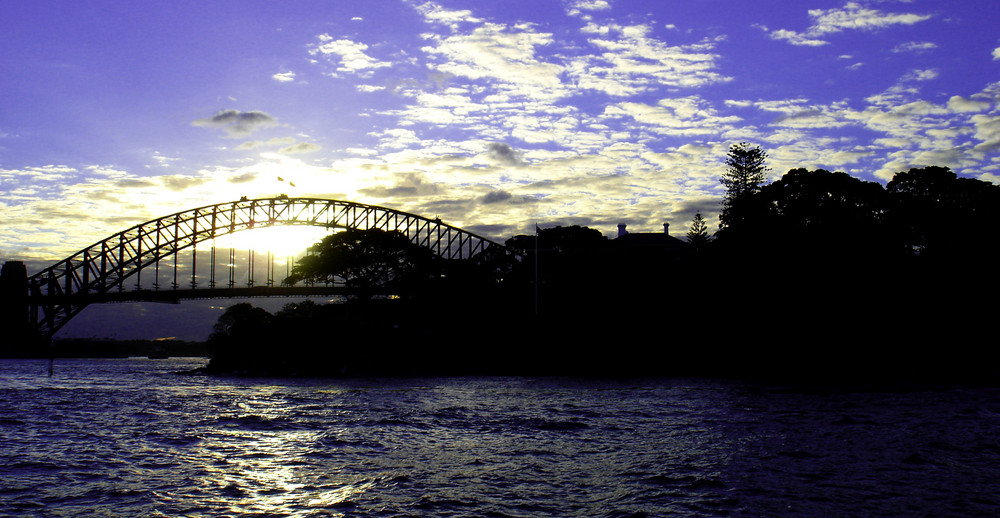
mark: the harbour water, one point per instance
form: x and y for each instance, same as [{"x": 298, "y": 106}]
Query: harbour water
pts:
[{"x": 132, "y": 438}]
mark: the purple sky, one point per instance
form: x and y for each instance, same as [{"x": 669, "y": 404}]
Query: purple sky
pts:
[{"x": 490, "y": 115}]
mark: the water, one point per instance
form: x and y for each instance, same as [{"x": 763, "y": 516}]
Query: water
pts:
[{"x": 128, "y": 438}]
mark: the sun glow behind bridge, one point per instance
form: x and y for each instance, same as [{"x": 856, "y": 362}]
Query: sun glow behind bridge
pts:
[{"x": 282, "y": 241}]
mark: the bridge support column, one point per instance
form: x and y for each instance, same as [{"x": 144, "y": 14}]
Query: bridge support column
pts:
[{"x": 16, "y": 336}]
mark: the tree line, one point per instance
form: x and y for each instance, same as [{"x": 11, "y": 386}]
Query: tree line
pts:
[{"x": 817, "y": 271}]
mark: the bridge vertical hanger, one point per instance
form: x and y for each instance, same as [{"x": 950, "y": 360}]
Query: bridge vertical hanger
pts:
[
  {"x": 232, "y": 268},
  {"x": 211, "y": 278},
  {"x": 250, "y": 258},
  {"x": 138, "y": 261},
  {"x": 194, "y": 252}
]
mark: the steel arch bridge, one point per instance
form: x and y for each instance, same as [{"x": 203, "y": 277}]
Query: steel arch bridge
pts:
[{"x": 98, "y": 272}]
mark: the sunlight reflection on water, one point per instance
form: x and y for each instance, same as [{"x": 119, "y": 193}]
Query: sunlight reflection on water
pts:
[{"x": 126, "y": 437}]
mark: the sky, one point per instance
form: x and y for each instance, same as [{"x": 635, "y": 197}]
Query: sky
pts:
[{"x": 493, "y": 116}]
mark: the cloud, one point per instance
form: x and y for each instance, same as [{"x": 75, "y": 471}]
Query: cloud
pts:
[
  {"x": 277, "y": 141},
  {"x": 503, "y": 153},
  {"x": 796, "y": 38},
  {"x": 914, "y": 46},
  {"x": 987, "y": 132},
  {"x": 434, "y": 13},
  {"x": 853, "y": 16},
  {"x": 237, "y": 123},
  {"x": 128, "y": 183},
  {"x": 495, "y": 197},
  {"x": 921, "y": 75},
  {"x": 246, "y": 177},
  {"x": 960, "y": 104},
  {"x": 284, "y": 77},
  {"x": 685, "y": 116},
  {"x": 349, "y": 56},
  {"x": 996, "y": 54},
  {"x": 406, "y": 185},
  {"x": 181, "y": 183},
  {"x": 502, "y": 54},
  {"x": 301, "y": 147},
  {"x": 630, "y": 61},
  {"x": 576, "y": 7}
]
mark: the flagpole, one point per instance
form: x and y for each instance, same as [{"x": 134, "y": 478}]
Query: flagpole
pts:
[{"x": 536, "y": 269}]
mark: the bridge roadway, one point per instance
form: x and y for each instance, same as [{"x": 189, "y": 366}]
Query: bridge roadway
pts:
[{"x": 176, "y": 295}]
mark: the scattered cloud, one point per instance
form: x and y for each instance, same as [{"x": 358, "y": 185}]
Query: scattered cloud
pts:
[
  {"x": 246, "y": 177},
  {"x": 492, "y": 122},
  {"x": 914, "y": 46},
  {"x": 495, "y": 197},
  {"x": 434, "y": 13},
  {"x": 960, "y": 104},
  {"x": 685, "y": 116},
  {"x": 577, "y": 7},
  {"x": 503, "y": 153},
  {"x": 853, "y": 16},
  {"x": 238, "y": 123},
  {"x": 501, "y": 54},
  {"x": 301, "y": 147},
  {"x": 404, "y": 185},
  {"x": 180, "y": 182},
  {"x": 921, "y": 75},
  {"x": 630, "y": 61},
  {"x": 348, "y": 56}
]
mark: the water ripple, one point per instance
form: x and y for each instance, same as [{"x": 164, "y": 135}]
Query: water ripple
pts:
[{"x": 124, "y": 437}]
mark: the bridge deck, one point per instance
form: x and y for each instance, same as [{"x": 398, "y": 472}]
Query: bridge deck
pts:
[{"x": 171, "y": 295}]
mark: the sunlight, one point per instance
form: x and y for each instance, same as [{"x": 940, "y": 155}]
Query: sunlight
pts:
[{"x": 282, "y": 241}]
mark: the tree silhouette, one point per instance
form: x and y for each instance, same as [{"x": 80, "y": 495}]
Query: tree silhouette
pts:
[
  {"x": 824, "y": 215},
  {"x": 366, "y": 260},
  {"x": 942, "y": 217},
  {"x": 240, "y": 321},
  {"x": 745, "y": 173},
  {"x": 697, "y": 235}
]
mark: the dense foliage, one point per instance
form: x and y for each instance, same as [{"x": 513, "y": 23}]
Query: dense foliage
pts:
[
  {"x": 366, "y": 260},
  {"x": 815, "y": 273}
]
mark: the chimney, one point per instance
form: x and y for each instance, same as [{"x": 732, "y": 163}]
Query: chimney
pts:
[
  {"x": 666, "y": 229},
  {"x": 621, "y": 230}
]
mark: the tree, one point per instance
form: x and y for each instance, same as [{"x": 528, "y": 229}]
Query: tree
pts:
[
  {"x": 941, "y": 216},
  {"x": 697, "y": 235},
  {"x": 365, "y": 260},
  {"x": 239, "y": 322},
  {"x": 745, "y": 173}
]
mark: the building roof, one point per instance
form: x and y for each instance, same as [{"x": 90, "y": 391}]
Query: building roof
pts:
[{"x": 650, "y": 239}]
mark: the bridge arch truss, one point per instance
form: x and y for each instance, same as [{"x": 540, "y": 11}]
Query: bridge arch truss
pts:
[{"x": 59, "y": 292}]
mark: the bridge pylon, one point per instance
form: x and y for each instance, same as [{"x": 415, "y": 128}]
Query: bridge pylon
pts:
[{"x": 16, "y": 332}]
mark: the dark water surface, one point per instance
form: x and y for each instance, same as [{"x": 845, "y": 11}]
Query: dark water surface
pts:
[{"x": 128, "y": 438}]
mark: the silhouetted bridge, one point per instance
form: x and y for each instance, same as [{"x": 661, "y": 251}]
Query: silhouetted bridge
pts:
[{"x": 99, "y": 272}]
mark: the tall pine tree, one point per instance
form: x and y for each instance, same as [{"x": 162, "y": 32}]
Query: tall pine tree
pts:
[
  {"x": 697, "y": 235},
  {"x": 745, "y": 173}
]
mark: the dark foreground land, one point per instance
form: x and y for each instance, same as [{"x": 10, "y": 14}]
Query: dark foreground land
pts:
[{"x": 810, "y": 339}]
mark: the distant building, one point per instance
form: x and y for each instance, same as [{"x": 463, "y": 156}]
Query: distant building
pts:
[{"x": 649, "y": 240}]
